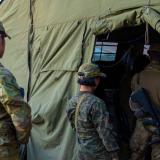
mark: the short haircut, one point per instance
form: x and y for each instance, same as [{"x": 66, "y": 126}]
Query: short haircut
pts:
[{"x": 87, "y": 81}]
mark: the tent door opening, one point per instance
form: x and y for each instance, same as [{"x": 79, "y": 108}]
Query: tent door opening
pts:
[{"x": 120, "y": 56}]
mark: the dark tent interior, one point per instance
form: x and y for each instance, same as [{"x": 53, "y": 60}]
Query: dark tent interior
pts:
[{"x": 125, "y": 56}]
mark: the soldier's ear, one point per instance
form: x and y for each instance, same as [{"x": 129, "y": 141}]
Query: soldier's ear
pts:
[{"x": 97, "y": 80}]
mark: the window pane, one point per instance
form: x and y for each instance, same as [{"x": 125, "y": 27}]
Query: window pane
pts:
[
  {"x": 108, "y": 57},
  {"x": 105, "y": 51},
  {"x": 96, "y": 57},
  {"x": 110, "y": 43},
  {"x": 109, "y": 49},
  {"x": 98, "y": 49},
  {"x": 98, "y": 43}
]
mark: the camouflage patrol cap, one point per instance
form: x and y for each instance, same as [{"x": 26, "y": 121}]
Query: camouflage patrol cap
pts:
[
  {"x": 2, "y": 30},
  {"x": 90, "y": 70}
]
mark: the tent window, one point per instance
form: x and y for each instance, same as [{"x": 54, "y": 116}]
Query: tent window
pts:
[{"x": 104, "y": 51}]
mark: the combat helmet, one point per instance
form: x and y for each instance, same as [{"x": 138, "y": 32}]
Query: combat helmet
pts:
[
  {"x": 2, "y": 30},
  {"x": 89, "y": 70}
]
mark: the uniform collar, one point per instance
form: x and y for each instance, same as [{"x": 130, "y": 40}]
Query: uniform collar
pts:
[{"x": 84, "y": 92}]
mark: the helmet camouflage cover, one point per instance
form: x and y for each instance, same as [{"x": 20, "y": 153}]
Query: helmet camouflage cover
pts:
[{"x": 90, "y": 70}]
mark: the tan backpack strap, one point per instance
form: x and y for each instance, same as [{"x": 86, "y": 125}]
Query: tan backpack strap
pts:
[{"x": 78, "y": 109}]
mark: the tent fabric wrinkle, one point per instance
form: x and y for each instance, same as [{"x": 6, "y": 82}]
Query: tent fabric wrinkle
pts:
[{"x": 152, "y": 17}]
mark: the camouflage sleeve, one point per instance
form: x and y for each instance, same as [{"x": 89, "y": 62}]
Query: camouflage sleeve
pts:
[
  {"x": 14, "y": 105},
  {"x": 139, "y": 141},
  {"x": 101, "y": 120},
  {"x": 70, "y": 109}
]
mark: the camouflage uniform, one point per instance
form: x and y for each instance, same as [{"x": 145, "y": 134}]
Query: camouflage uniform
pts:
[
  {"x": 15, "y": 117},
  {"x": 94, "y": 131},
  {"x": 149, "y": 79},
  {"x": 95, "y": 135}
]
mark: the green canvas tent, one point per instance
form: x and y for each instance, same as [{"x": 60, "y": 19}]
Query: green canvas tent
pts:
[{"x": 50, "y": 39}]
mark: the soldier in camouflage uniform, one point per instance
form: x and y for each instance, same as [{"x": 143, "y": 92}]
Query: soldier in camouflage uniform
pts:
[
  {"x": 89, "y": 117},
  {"x": 147, "y": 134},
  {"x": 15, "y": 114}
]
